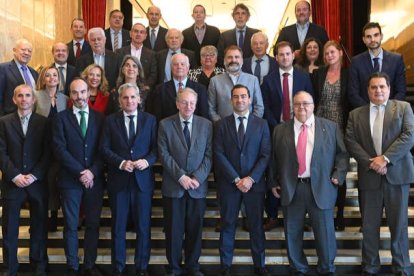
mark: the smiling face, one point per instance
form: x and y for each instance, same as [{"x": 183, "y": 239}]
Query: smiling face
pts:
[
  {"x": 154, "y": 16},
  {"x": 138, "y": 34},
  {"x": 179, "y": 66},
  {"x": 233, "y": 61},
  {"x": 79, "y": 93},
  {"x": 24, "y": 99},
  {"x": 129, "y": 100},
  {"x": 78, "y": 29},
  {"x": 240, "y": 100},
  {"x": 312, "y": 51},
  {"x": 332, "y": 55},
  {"x": 302, "y": 12},
  {"x": 60, "y": 53},
  {"x": 22, "y": 51},
  {"x": 116, "y": 21},
  {"x": 130, "y": 70},
  {"x": 259, "y": 45},
  {"x": 94, "y": 78},
  {"x": 97, "y": 41},
  {"x": 186, "y": 104},
  {"x": 303, "y": 106},
  {"x": 285, "y": 57},
  {"x": 372, "y": 38},
  {"x": 378, "y": 90},
  {"x": 51, "y": 78}
]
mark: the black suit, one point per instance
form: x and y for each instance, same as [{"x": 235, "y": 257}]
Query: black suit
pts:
[
  {"x": 24, "y": 154},
  {"x": 111, "y": 66},
  {"x": 10, "y": 78},
  {"x": 86, "y": 48},
  {"x": 70, "y": 75},
  {"x": 161, "y": 102},
  {"x": 247, "y": 66},
  {"x": 211, "y": 37},
  {"x": 126, "y": 39},
  {"x": 290, "y": 33},
  {"x": 162, "y": 57},
  {"x": 160, "y": 43},
  {"x": 148, "y": 60}
]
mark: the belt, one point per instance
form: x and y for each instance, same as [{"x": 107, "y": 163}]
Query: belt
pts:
[{"x": 304, "y": 180}]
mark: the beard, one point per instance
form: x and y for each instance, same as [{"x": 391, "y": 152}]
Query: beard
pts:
[{"x": 233, "y": 67}]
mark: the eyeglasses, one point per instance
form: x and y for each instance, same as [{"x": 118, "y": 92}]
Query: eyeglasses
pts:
[
  {"x": 304, "y": 104},
  {"x": 208, "y": 55}
]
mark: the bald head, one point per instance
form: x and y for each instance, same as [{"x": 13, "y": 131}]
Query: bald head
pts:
[{"x": 22, "y": 51}]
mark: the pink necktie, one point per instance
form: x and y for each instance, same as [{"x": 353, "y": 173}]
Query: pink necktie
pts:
[
  {"x": 286, "y": 100},
  {"x": 301, "y": 149}
]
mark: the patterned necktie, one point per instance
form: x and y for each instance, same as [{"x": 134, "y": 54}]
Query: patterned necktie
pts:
[
  {"x": 377, "y": 131},
  {"x": 286, "y": 100},
  {"x": 241, "y": 130},
  {"x": 116, "y": 41},
  {"x": 62, "y": 78},
  {"x": 24, "y": 121},
  {"x": 258, "y": 68},
  {"x": 241, "y": 39},
  {"x": 78, "y": 50},
  {"x": 26, "y": 76},
  {"x": 186, "y": 133},
  {"x": 376, "y": 64},
  {"x": 180, "y": 86},
  {"x": 301, "y": 149},
  {"x": 152, "y": 38},
  {"x": 82, "y": 122},
  {"x": 131, "y": 129}
]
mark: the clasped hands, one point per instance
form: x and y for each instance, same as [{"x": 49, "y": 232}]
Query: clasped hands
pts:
[
  {"x": 244, "y": 184},
  {"x": 86, "y": 178},
  {"x": 189, "y": 182},
  {"x": 130, "y": 166},
  {"x": 24, "y": 180},
  {"x": 379, "y": 165}
]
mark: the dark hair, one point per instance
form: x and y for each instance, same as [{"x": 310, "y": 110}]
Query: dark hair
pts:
[
  {"x": 237, "y": 86},
  {"x": 114, "y": 11},
  {"x": 77, "y": 19},
  {"x": 371, "y": 25},
  {"x": 201, "y": 6},
  {"x": 379, "y": 75},
  {"x": 233, "y": 47},
  {"x": 280, "y": 45},
  {"x": 303, "y": 60},
  {"x": 241, "y": 6},
  {"x": 309, "y": 5}
]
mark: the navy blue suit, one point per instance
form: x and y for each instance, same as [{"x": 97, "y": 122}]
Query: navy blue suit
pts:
[
  {"x": 361, "y": 69},
  {"x": 126, "y": 39},
  {"x": 24, "y": 154},
  {"x": 10, "y": 78},
  {"x": 130, "y": 190},
  {"x": 86, "y": 48},
  {"x": 75, "y": 154},
  {"x": 232, "y": 160},
  {"x": 273, "y": 95}
]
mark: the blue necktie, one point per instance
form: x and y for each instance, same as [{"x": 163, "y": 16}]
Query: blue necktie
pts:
[
  {"x": 258, "y": 68},
  {"x": 376, "y": 64},
  {"x": 26, "y": 76},
  {"x": 240, "y": 130},
  {"x": 186, "y": 133},
  {"x": 131, "y": 130},
  {"x": 241, "y": 39}
]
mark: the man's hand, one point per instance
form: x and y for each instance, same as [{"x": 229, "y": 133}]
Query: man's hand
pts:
[
  {"x": 87, "y": 178},
  {"x": 334, "y": 181},
  {"x": 128, "y": 166},
  {"x": 22, "y": 181},
  {"x": 244, "y": 184},
  {"x": 276, "y": 191},
  {"x": 186, "y": 182},
  {"x": 140, "y": 164},
  {"x": 378, "y": 164}
]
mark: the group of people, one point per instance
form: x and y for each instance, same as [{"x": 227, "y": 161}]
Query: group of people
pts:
[{"x": 279, "y": 133}]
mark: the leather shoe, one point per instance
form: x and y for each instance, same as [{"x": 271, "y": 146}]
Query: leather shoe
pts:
[
  {"x": 339, "y": 224},
  {"x": 71, "y": 272},
  {"x": 261, "y": 271},
  {"x": 117, "y": 273},
  {"x": 270, "y": 224},
  {"x": 218, "y": 226},
  {"x": 142, "y": 273},
  {"x": 92, "y": 272},
  {"x": 307, "y": 227},
  {"x": 225, "y": 272},
  {"x": 245, "y": 225}
]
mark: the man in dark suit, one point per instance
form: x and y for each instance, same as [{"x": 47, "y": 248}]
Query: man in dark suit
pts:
[
  {"x": 76, "y": 133},
  {"x": 101, "y": 56},
  {"x": 161, "y": 102},
  {"x": 260, "y": 64},
  {"x": 240, "y": 35},
  {"x": 200, "y": 34},
  {"x": 185, "y": 151},
  {"x": 375, "y": 59},
  {"x": 24, "y": 160},
  {"x": 297, "y": 33},
  {"x": 67, "y": 72},
  {"x": 241, "y": 155},
  {"x": 174, "y": 40},
  {"x": 297, "y": 144},
  {"x": 379, "y": 136},
  {"x": 129, "y": 146},
  {"x": 14, "y": 73},
  {"x": 146, "y": 56},
  {"x": 156, "y": 33},
  {"x": 280, "y": 86},
  {"x": 116, "y": 36},
  {"x": 78, "y": 46}
]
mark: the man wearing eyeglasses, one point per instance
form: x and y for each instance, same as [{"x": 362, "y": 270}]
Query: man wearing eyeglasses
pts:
[{"x": 298, "y": 143}]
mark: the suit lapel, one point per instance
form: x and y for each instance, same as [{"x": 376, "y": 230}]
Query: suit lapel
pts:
[
  {"x": 290, "y": 138},
  {"x": 231, "y": 124},
  {"x": 17, "y": 124},
  {"x": 121, "y": 126},
  {"x": 74, "y": 121},
  {"x": 365, "y": 125},
  {"x": 179, "y": 130},
  {"x": 319, "y": 138},
  {"x": 16, "y": 72},
  {"x": 389, "y": 112}
]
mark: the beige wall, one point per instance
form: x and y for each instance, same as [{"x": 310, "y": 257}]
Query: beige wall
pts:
[{"x": 42, "y": 22}]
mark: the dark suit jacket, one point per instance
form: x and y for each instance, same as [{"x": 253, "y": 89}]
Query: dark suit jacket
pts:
[
  {"x": 329, "y": 159},
  {"x": 70, "y": 75},
  {"x": 148, "y": 61},
  {"x": 318, "y": 81},
  {"x": 398, "y": 139},
  {"x": 10, "y": 78},
  {"x": 161, "y": 102},
  {"x": 86, "y": 48},
  {"x": 361, "y": 68},
  {"x": 178, "y": 160},
  {"x": 290, "y": 33},
  {"x": 111, "y": 66},
  {"x": 126, "y": 39},
  {"x": 211, "y": 37},
  {"x": 162, "y": 57},
  {"x": 160, "y": 43},
  {"x": 115, "y": 148},
  {"x": 74, "y": 152},
  {"x": 247, "y": 65},
  {"x": 250, "y": 159},
  {"x": 20, "y": 154},
  {"x": 273, "y": 95}
]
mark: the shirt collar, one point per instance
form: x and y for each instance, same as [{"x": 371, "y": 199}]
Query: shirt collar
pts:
[
  {"x": 61, "y": 65},
  {"x": 80, "y": 41},
  {"x": 19, "y": 65},
  {"x": 190, "y": 120},
  {"x": 135, "y": 113},
  {"x": 136, "y": 48},
  {"x": 289, "y": 71},
  {"x": 304, "y": 26},
  {"x": 76, "y": 110},
  {"x": 113, "y": 31},
  {"x": 236, "y": 116},
  {"x": 371, "y": 104},
  {"x": 380, "y": 54},
  {"x": 309, "y": 122},
  {"x": 156, "y": 28},
  {"x": 242, "y": 29},
  {"x": 184, "y": 82},
  {"x": 254, "y": 58},
  {"x": 27, "y": 116}
]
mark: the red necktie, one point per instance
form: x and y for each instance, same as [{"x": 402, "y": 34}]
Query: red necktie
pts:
[
  {"x": 78, "y": 50},
  {"x": 286, "y": 100},
  {"x": 301, "y": 149}
]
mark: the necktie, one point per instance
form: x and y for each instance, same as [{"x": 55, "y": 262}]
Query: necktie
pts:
[
  {"x": 258, "y": 68},
  {"x": 180, "y": 86},
  {"x": 376, "y": 64},
  {"x": 26, "y": 76},
  {"x": 82, "y": 122},
  {"x": 62, "y": 78},
  {"x": 286, "y": 100},
  {"x": 241, "y": 39},
  {"x": 23, "y": 121},
  {"x": 301, "y": 149},
  {"x": 116, "y": 40},
  {"x": 240, "y": 130},
  {"x": 152, "y": 38},
  {"x": 131, "y": 130},
  {"x": 78, "y": 50},
  {"x": 377, "y": 131},
  {"x": 186, "y": 133}
]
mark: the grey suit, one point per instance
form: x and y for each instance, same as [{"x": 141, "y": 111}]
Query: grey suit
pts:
[
  {"x": 43, "y": 103},
  {"x": 329, "y": 159},
  {"x": 219, "y": 95},
  {"x": 390, "y": 191},
  {"x": 184, "y": 207}
]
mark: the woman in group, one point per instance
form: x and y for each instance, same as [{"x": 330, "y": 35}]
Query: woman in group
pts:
[
  {"x": 49, "y": 101},
  {"x": 310, "y": 55},
  {"x": 131, "y": 72},
  {"x": 208, "y": 69},
  {"x": 330, "y": 87},
  {"x": 98, "y": 87}
]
